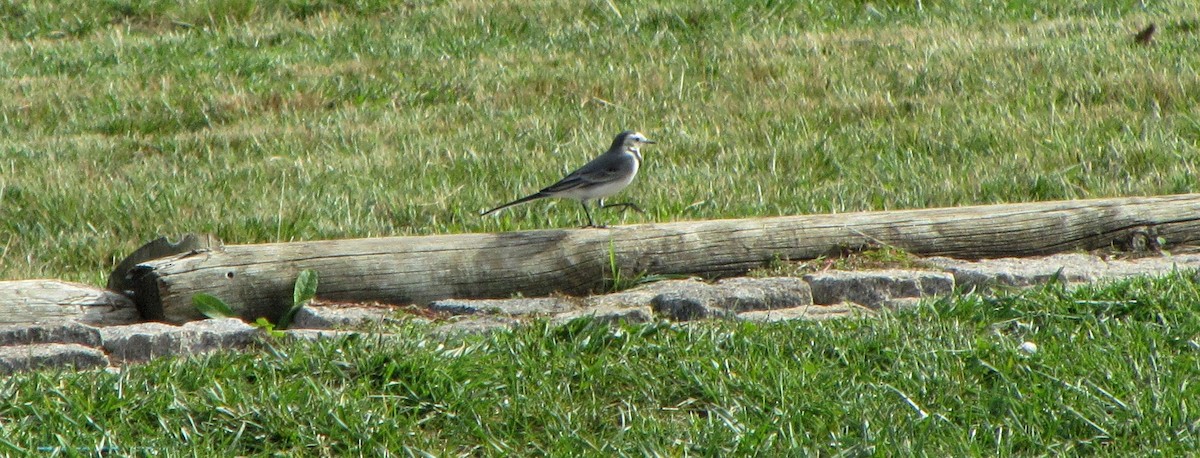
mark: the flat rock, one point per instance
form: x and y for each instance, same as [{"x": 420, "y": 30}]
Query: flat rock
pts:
[
  {"x": 322, "y": 334},
  {"x": 511, "y": 307},
  {"x": 902, "y": 303},
  {"x": 145, "y": 341},
  {"x": 1070, "y": 268},
  {"x": 691, "y": 299},
  {"x": 18, "y": 358},
  {"x": 42, "y": 301},
  {"x": 807, "y": 312},
  {"x": 481, "y": 324},
  {"x": 875, "y": 288},
  {"x": 221, "y": 333},
  {"x": 636, "y": 297},
  {"x": 340, "y": 317},
  {"x": 608, "y": 314},
  {"x": 690, "y": 303},
  {"x": 747, "y": 294},
  {"x": 63, "y": 332},
  {"x": 1157, "y": 265}
]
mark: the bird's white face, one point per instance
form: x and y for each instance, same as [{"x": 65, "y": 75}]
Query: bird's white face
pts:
[{"x": 637, "y": 139}]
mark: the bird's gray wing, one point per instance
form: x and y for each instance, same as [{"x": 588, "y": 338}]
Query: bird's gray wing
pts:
[{"x": 592, "y": 173}]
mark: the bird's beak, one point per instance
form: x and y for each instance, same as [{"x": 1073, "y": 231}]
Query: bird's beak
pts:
[{"x": 648, "y": 141}]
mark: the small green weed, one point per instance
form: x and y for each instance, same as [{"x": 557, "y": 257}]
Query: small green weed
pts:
[{"x": 303, "y": 292}]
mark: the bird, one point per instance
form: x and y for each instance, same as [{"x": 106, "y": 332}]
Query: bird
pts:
[{"x": 600, "y": 178}]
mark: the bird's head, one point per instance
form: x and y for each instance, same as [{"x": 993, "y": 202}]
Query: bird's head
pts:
[{"x": 630, "y": 140}]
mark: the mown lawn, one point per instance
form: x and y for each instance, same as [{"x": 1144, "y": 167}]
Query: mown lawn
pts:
[
  {"x": 124, "y": 120},
  {"x": 1114, "y": 374}
]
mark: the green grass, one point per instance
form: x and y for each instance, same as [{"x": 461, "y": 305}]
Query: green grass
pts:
[
  {"x": 258, "y": 121},
  {"x": 1114, "y": 376},
  {"x": 123, "y": 120}
]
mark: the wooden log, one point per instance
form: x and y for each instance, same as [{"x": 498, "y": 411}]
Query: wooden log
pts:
[
  {"x": 24, "y": 302},
  {"x": 257, "y": 279}
]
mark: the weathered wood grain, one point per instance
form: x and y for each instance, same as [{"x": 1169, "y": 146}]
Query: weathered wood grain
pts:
[
  {"x": 52, "y": 301},
  {"x": 257, "y": 279}
]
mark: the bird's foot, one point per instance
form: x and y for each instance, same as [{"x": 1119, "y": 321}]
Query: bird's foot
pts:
[{"x": 625, "y": 205}]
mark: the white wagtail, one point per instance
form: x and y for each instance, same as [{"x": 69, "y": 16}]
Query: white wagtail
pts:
[{"x": 604, "y": 176}]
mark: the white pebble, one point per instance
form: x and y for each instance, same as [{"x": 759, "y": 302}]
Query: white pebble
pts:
[{"x": 1028, "y": 348}]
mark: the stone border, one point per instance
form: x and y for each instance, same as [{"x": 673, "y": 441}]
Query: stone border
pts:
[{"x": 95, "y": 329}]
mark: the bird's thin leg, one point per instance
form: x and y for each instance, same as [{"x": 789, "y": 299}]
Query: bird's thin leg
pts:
[
  {"x": 587, "y": 212},
  {"x": 626, "y": 205}
]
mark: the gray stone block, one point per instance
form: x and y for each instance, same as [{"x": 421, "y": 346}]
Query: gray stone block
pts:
[
  {"x": 641, "y": 295},
  {"x": 340, "y": 317},
  {"x": 691, "y": 299},
  {"x": 807, "y": 312},
  {"x": 746, "y": 294},
  {"x": 65, "y": 332},
  {"x": 902, "y": 303},
  {"x": 474, "y": 324},
  {"x": 605, "y": 314},
  {"x": 365, "y": 338},
  {"x": 145, "y": 341},
  {"x": 874, "y": 288},
  {"x": 18, "y": 358},
  {"x": 218, "y": 334},
  {"x": 140, "y": 342},
  {"x": 1020, "y": 272},
  {"x": 512, "y": 307},
  {"x": 687, "y": 304},
  {"x": 320, "y": 334},
  {"x": 1155, "y": 265},
  {"x": 1070, "y": 268}
]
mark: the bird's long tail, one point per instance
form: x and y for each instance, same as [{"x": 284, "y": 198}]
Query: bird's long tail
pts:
[{"x": 515, "y": 202}]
